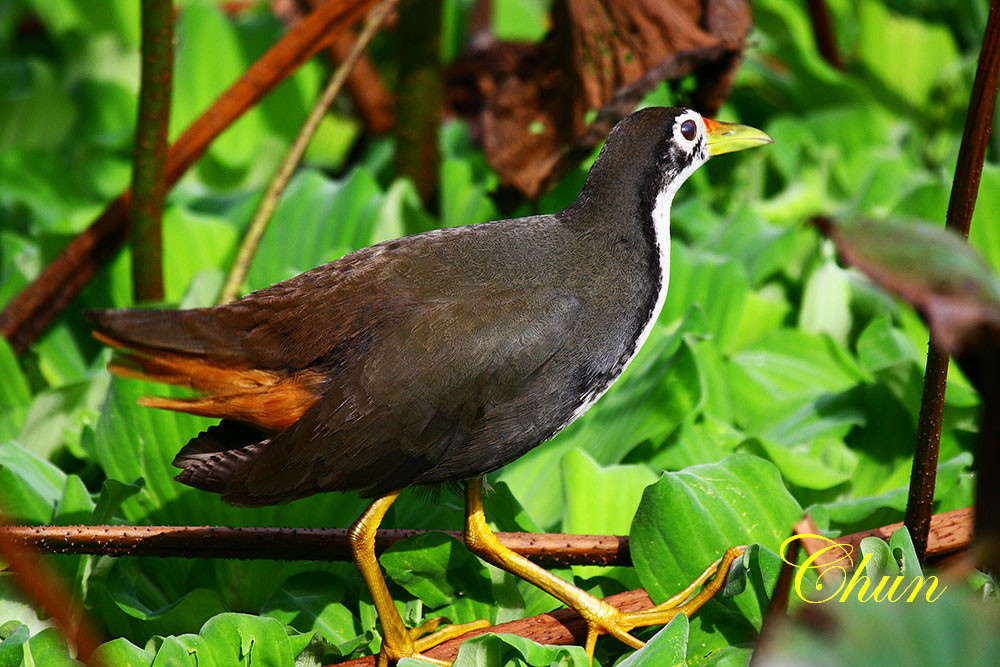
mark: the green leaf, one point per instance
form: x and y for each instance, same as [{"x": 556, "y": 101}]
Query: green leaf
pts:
[
  {"x": 57, "y": 416},
  {"x": 788, "y": 365},
  {"x": 826, "y": 303},
  {"x": 600, "y": 501},
  {"x": 192, "y": 243},
  {"x": 328, "y": 218},
  {"x": 15, "y": 395},
  {"x": 797, "y": 465},
  {"x": 242, "y": 639},
  {"x": 12, "y": 646},
  {"x": 885, "y": 35},
  {"x": 881, "y": 346},
  {"x": 667, "y": 647},
  {"x": 124, "y": 588},
  {"x": 201, "y": 29},
  {"x": 48, "y": 648},
  {"x": 439, "y": 571},
  {"x": 688, "y": 519},
  {"x": 122, "y": 652},
  {"x": 491, "y": 650},
  {"x": 30, "y": 487},
  {"x": 75, "y": 506},
  {"x": 311, "y": 602}
]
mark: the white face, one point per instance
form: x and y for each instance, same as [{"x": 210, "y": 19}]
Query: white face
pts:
[{"x": 692, "y": 136}]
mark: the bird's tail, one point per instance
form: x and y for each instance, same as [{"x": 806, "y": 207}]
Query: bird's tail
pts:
[{"x": 188, "y": 349}]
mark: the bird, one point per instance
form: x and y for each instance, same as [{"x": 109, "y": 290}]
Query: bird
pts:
[{"x": 433, "y": 358}]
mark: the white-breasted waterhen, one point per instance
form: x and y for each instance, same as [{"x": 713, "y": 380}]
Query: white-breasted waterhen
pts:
[{"x": 433, "y": 358}]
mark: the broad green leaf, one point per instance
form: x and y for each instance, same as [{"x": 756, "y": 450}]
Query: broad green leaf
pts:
[
  {"x": 881, "y": 346},
  {"x": 173, "y": 651},
  {"x": 76, "y": 505},
  {"x": 702, "y": 440},
  {"x": 826, "y": 303},
  {"x": 121, "y": 651},
  {"x": 201, "y": 29},
  {"x": 492, "y": 650},
  {"x": 788, "y": 365},
  {"x": 667, "y": 647},
  {"x": 242, "y": 639},
  {"x": 885, "y": 35},
  {"x": 689, "y": 518},
  {"x": 48, "y": 648},
  {"x": 600, "y": 501},
  {"x": 311, "y": 602},
  {"x": 109, "y": 501},
  {"x": 192, "y": 242},
  {"x": 13, "y": 637},
  {"x": 57, "y": 416},
  {"x": 15, "y": 395},
  {"x": 37, "y": 111},
  {"x": 30, "y": 487},
  {"x": 519, "y": 20},
  {"x": 463, "y": 202},
  {"x": 717, "y": 285},
  {"x": 854, "y": 514},
  {"x": 797, "y": 465},
  {"x": 880, "y": 563},
  {"x": 443, "y": 574},
  {"x": 131, "y": 590},
  {"x": 327, "y": 218}
]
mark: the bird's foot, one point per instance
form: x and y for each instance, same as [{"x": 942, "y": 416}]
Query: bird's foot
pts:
[
  {"x": 425, "y": 637},
  {"x": 603, "y": 618}
]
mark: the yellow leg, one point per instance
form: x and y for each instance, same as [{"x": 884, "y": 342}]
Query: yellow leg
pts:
[
  {"x": 601, "y": 617},
  {"x": 397, "y": 641}
]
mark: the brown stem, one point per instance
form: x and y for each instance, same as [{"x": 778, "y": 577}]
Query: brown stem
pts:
[
  {"x": 419, "y": 94},
  {"x": 548, "y": 549},
  {"x": 149, "y": 186},
  {"x": 822, "y": 27},
  {"x": 923, "y": 473},
  {"x": 31, "y": 311},
  {"x": 965, "y": 188}
]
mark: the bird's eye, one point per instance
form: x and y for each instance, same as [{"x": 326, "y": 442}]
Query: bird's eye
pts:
[{"x": 688, "y": 130}]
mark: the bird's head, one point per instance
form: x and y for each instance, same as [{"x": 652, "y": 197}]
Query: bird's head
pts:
[{"x": 656, "y": 149}]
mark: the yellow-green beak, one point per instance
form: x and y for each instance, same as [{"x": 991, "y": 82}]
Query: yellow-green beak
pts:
[{"x": 730, "y": 137}]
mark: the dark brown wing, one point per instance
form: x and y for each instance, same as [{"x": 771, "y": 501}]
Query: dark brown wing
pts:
[{"x": 414, "y": 403}]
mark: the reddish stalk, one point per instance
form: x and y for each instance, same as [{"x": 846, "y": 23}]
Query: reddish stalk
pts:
[
  {"x": 965, "y": 189},
  {"x": 149, "y": 186}
]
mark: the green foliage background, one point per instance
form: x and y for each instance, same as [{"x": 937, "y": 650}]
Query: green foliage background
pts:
[{"x": 774, "y": 381}]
